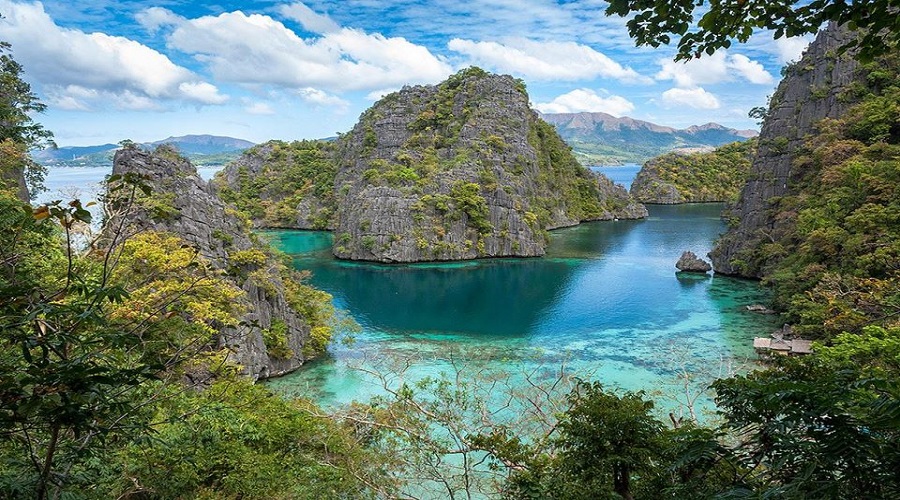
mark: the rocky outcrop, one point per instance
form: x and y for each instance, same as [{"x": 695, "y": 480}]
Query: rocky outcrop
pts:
[
  {"x": 183, "y": 204},
  {"x": 690, "y": 263},
  {"x": 810, "y": 91},
  {"x": 648, "y": 187},
  {"x": 461, "y": 170},
  {"x": 13, "y": 162},
  {"x": 699, "y": 177},
  {"x": 284, "y": 185}
]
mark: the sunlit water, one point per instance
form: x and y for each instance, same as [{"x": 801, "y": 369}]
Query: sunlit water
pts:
[
  {"x": 86, "y": 183},
  {"x": 620, "y": 174},
  {"x": 605, "y": 300}
]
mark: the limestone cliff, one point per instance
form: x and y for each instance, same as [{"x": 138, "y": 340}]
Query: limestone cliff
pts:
[
  {"x": 280, "y": 184},
  {"x": 811, "y": 90},
  {"x": 714, "y": 176},
  {"x": 183, "y": 204},
  {"x": 461, "y": 170}
]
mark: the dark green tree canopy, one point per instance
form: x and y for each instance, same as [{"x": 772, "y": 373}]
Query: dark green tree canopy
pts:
[
  {"x": 17, "y": 101},
  {"x": 719, "y": 22}
]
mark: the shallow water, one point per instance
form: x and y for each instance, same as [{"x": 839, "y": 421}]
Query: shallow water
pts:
[{"x": 605, "y": 300}]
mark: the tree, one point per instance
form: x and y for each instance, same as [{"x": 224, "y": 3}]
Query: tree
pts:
[
  {"x": 18, "y": 132},
  {"x": 656, "y": 22},
  {"x": 814, "y": 429}
]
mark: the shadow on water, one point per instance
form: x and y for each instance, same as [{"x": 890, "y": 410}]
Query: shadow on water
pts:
[{"x": 605, "y": 300}]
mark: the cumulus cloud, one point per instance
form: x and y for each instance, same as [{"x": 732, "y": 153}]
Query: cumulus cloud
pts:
[
  {"x": 790, "y": 49},
  {"x": 696, "y": 98},
  {"x": 580, "y": 100},
  {"x": 321, "y": 98},
  {"x": 257, "y": 49},
  {"x": 154, "y": 18},
  {"x": 78, "y": 70},
  {"x": 717, "y": 68},
  {"x": 310, "y": 20},
  {"x": 378, "y": 94},
  {"x": 544, "y": 60}
]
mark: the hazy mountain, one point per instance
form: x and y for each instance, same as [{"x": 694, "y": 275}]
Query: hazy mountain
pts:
[
  {"x": 69, "y": 153},
  {"x": 600, "y": 138},
  {"x": 200, "y": 149},
  {"x": 205, "y": 144}
]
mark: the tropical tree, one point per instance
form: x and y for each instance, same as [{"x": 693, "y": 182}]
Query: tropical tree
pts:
[
  {"x": 18, "y": 131},
  {"x": 658, "y": 22}
]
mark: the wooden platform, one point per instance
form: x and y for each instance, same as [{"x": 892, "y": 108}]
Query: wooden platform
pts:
[{"x": 778, "y": 345}]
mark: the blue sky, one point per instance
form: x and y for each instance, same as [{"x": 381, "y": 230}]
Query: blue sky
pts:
[{"x": 149, "y": 69}]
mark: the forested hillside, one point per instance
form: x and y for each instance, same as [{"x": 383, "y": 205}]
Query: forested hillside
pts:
[{"x": 696, "y": 177}]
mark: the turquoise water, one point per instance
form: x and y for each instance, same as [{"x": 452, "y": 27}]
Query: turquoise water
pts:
[{"x": 605, "y": 300}]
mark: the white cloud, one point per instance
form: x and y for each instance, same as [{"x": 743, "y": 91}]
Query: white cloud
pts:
[
  {"x": 696, "y": 98},
  {"x": 544, "y": 60},
  {"x": 202, "y": 92},
  {"x": 790, "y": 49},
  {"x": 717, "y": 68},
  {"x": 256, "y": 49},
  {"x": 154, "y": 18},
  {"x": 311, "y": 21},
  {"x": 320, "y": 98},
  {"x": 752, "y": 71},
  {"x": 259, "y": 108},
  {"x": 378, "y": 94},
  {"x": 80, "y": 70},
  {"x": 580, "y": 100}
]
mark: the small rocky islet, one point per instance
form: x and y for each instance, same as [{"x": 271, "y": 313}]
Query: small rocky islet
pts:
[{"x": 460, "y": 170}]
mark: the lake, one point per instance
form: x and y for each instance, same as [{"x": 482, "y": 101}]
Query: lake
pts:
[
  {"x": 66, "y": 183},
  {"x": 620, "y": 174},
  {"x": 605, "y": 301}
]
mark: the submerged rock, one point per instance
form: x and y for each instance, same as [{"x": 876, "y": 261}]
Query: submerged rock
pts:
[{"x": 690, "y": 263}]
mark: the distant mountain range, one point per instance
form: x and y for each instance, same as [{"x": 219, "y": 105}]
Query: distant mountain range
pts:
[
  {"x": 603, "y": 139},
  {"x": 200, "y": 149}
]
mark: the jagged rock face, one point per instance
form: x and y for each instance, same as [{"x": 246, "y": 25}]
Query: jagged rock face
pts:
[
  {"x": 184, "y": 204},
  {"x": 690, "y": 263},
  {"x": 809, "y": 92},
  {"x": 284, "y": 185},
  {"x": 647, "y": 187},
  {"x": 459, "y": 171}
]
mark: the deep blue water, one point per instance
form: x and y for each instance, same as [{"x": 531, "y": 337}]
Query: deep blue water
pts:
[
  {"x": 605, "y": 300},
  {"x": 620, "y": 174}
]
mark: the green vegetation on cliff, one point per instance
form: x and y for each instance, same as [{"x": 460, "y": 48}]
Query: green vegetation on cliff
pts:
[
  {"x": 270, "y": 180},
  {"x": 833, "y": 260},
  {"x": 460, "y": 170},
  {"x": 114, "y": 379},
  {"x": 697, "y": 177}
]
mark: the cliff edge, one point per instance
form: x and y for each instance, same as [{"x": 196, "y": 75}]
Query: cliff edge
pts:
[{"x": 810, "y": 91}]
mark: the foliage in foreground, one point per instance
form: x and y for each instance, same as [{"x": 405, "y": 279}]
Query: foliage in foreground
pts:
[{"x": 98, "y": 352}]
